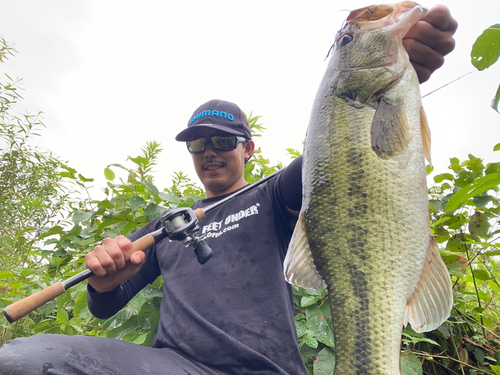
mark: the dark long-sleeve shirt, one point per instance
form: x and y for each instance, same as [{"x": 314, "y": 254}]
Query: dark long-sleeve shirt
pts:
[{"x": 236, "y": 311}]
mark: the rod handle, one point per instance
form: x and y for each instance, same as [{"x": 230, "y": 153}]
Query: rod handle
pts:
[
  {"x": 200, "y": 213},
  {"x": 145, "y": 242},
  {"x": 17, "y": 310}
]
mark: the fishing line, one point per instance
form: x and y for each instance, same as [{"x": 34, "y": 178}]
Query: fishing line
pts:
[{"x": 449, "y": 83}]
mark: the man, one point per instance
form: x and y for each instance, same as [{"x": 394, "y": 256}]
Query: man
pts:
[{"x": 233, "y": 315}]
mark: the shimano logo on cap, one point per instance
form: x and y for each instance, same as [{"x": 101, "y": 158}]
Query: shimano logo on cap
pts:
[{"x": 212, "y": 113}]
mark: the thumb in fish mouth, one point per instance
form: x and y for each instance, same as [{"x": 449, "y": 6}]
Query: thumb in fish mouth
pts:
[
  {"x": 402, "y": 15},
  {"x": 406, "y": 18}
]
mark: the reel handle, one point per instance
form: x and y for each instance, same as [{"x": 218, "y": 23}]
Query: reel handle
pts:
[{"x": 203, "y": 252}]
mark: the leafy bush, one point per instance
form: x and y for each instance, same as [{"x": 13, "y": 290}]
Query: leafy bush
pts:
[{"x": 464, "y": 220}]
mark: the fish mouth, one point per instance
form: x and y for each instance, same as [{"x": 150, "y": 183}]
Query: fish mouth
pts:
[{"x": 402, "y": 16}]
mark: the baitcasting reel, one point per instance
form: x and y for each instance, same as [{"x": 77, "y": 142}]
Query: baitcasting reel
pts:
[{"x": 181, "y": 224}]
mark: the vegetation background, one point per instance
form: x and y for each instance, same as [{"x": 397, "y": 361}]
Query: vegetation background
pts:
[{"x": 48, "y": 222}]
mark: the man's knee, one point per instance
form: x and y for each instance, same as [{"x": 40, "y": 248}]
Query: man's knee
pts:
[{"x": 32, "y": 355}]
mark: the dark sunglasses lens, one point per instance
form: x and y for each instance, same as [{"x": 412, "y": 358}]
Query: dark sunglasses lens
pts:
[
  {"x": 224, "y": 143},
  {"x": 196, "y": 146}
]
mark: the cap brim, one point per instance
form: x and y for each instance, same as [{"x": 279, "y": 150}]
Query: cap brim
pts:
[{"x": 201, "y": 130}]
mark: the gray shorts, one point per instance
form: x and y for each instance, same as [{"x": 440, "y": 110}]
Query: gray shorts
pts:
[{"x": 71, "y": 355}]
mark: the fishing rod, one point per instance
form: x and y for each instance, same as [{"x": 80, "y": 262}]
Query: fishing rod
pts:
[{"x": 180, "y": 224}]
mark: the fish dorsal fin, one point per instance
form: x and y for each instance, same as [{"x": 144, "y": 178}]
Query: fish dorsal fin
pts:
[
  {"x": 431, "y": 303},
  {"x": 299, "y": 268},
  {"x": 426, "y": 135},
  {"x": 389, "y": 131}
]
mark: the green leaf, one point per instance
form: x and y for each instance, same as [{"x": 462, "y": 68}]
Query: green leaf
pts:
[
  {"x": 429, "y": 169},
  {"x": 411, "y": 338},
  {"x": 62, "y": 315},
  {"x": 318, "y": 323},
  {"x": 495, "y": 369},
  {"x": 121, "y": 330},
  {"x": 150, "y": 187},
  {"x": 309, "y": 355},
  {"x": 496, "y": 100},
  {"x": 325, "y": 362},
  {"x": 309, "y": 340},
  {"x": 497, "y": 147},
  {"x": 169, "y": 197},
  {"x": 308, "y": 301},
  {"x": 465, "y": 178},
  {"x": 66, "y": 174},
  {"x": 131, "y": 177},
  {"x": 152, "y": 211},
  {"x": 481, "y": 275},
  {"x": 109, "y": 174},
  {"x": 188, "y": 202},
  {"x": 410, "y": 365},
  {"x": 479, "y": 225},
  {"x": 443, "y": 176},
  {"x": 140, "y": 161},
  {"x": 136, "y": 202},
  {"x": 481, "y": 200},
  {"x": 7, "y": 275},
  {"x": 486, "y": 50},
  {"x": 479, "y": 354},
  {"x": 492, "y": 168},
  {"x": 47, "y": 308},
  {"x": 85, "y": 179},
  {"x": 139, "y": 340},
  {"x": 476, "y": 187},
  {"x": 456, "y": 244},
  {"x": 80, "y": 216},
  {"x": 81, "y": 304}
]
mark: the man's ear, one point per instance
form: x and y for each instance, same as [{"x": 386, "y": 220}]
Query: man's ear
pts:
[{"x": 249, "y": 146}]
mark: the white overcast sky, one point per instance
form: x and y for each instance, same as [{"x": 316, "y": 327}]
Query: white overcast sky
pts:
[{"x": 111, "y": 75}]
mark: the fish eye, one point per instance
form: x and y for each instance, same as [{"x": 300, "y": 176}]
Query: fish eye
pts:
[{"x": 346, "y": 39}]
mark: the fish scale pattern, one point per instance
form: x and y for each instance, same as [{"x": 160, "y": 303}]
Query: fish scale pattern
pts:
[{"x": 367, "y": 222}]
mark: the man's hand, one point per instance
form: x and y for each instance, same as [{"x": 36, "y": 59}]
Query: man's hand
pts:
[
  {"x": 113, "y": 263},
  {"x": 429, "y": 40}
]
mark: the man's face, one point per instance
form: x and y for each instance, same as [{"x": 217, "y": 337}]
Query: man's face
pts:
[{"x": 221, "y": 172}]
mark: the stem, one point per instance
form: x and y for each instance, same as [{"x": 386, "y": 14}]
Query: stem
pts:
[
  {"x": 458, "y": 355},
  {"x": 424, "y": 354},
  {"x": 475, "y": 287}
]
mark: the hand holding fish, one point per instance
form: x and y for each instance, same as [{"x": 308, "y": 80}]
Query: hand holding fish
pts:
[{"x": 429, "y": 40}]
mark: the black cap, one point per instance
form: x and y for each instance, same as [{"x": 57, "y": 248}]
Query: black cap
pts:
[{"x": 216, "y": 114}]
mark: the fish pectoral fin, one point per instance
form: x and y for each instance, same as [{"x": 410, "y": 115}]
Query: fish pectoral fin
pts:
[
  {"x": 426, "y": 135},
  {"x": 432, "y": 301},
  {"x": 299, "y": 267},
  {"x": 389, "y": 132}
]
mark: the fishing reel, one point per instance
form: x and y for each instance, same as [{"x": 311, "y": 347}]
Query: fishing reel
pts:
[{"x": 181, "y": 224}]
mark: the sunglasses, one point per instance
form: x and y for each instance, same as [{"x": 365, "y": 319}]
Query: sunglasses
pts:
[{"x": 218, "y": 142}]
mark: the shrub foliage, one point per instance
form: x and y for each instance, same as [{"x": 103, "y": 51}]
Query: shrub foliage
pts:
[{"x": 46, "y": 230}]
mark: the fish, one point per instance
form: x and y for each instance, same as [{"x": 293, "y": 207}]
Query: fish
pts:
[{"x": 363, "y": 231}]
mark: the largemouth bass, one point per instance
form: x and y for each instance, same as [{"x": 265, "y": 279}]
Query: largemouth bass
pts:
[{"x": 363, "y": 230}]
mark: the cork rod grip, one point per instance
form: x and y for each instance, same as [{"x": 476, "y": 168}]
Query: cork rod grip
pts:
[
  {"x": 17, "y": 310},
  {"x": 23, "y": 307},
  {"x": 143, "y": 243},
  {"x": 200, "y": 213}
]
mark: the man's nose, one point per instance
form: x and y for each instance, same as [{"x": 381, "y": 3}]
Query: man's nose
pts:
[{"x": 210, "y": 151}]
